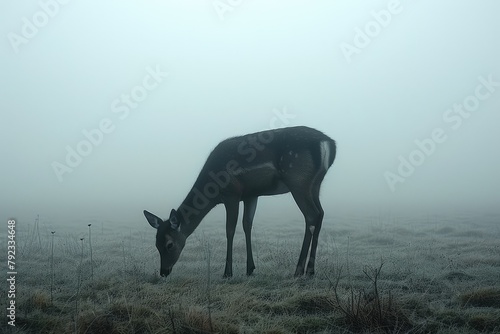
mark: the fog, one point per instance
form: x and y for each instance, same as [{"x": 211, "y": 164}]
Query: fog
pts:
[{"x": 141, "y": 91}]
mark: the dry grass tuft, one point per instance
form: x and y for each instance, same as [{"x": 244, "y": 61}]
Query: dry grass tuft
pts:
[
  {"x": 458, "y": 276},
  {"x": 314, "y": 304},
  {"x": 488, "y": 322},
  {"x": 118, "y": 317},
  {"x": 39, "y": 300},
  {"x": 484, "y": 297},
  {"x": 485, "y": 322},
  {"x": 445, "y": 230},
  {"x": 196, "y": 320},
  {"x": 92, "y": 323}
]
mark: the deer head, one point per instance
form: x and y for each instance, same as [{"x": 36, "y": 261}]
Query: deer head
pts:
[{"x": 169, "y": 240}]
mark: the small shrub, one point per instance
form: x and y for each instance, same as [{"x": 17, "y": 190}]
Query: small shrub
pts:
[{"x": 373, "y": 311}]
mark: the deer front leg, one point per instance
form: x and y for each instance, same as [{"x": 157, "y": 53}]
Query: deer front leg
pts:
[
  {"x": 231, "y": 219},
  {"x": 248, "y": 213}
]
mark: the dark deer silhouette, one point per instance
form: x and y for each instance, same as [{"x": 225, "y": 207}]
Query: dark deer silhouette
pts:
[{"x": 272, "y": 162}]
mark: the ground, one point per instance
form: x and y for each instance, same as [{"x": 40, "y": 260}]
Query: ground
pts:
[{"x": 381, "y": 274}]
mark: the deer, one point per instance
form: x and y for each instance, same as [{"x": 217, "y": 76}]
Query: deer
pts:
[{"x": 241, "y": 169}]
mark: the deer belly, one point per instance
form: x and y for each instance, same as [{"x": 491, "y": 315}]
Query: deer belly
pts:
[{"x": 262, "y": 179}]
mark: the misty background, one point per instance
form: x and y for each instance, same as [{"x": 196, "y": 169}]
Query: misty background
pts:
[{"x": 234, "y": 67}]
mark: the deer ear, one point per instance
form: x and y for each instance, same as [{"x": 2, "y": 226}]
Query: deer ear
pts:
[
  {"x": 174, "y": 221},
  {"x": 153, "y": 220}
]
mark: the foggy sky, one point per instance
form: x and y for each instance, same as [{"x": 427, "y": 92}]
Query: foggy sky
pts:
[{"x": 164, "y": 82}]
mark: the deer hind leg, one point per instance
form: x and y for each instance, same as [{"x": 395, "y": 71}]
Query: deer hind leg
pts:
[
  {"x": 313, "y": 214},
  {"x": 248, "y": 213},
  {"x": 315, "y": 231},
  {"x": 231, "y": 219}
]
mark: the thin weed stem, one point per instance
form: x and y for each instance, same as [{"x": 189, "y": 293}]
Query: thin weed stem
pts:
[{"x": 52, "y": 267}]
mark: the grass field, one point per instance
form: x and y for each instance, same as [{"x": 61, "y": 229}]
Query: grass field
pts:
[{"x": 373, "y": 275}]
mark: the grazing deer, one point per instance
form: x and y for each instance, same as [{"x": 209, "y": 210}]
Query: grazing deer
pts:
[{"x": 272, "y": 162}]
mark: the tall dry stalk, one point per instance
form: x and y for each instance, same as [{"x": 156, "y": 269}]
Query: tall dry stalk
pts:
[
  {"x": 209, "y": 288},
  {"x": 124, "y": 258},
  {"x": 52, "y": 267},
  {"x": 78, "y": 288},
  {"x": 37, "y": 222},
  {"x": 91, "y": 259}
]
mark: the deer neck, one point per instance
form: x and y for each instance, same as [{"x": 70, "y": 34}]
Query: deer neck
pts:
[{"x": 197, "y": 204}]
